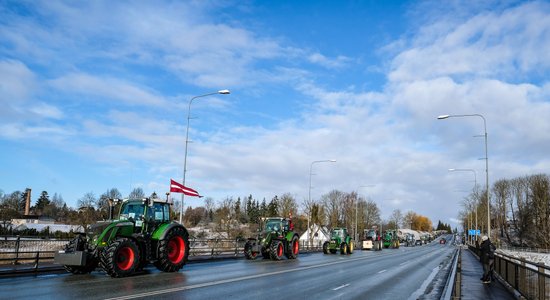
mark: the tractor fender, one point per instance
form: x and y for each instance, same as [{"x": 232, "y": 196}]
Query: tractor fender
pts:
[
  {"x": 112, "y": 231},
  {"x": 290, "y": 235},
  {"x": 161, "y": 232}
]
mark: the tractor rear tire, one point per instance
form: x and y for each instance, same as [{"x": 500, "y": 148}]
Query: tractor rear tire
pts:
[
  {"x": 343, "y": 248},
  {"x": 276, "y": 250},
  {"x": 325, "y": 247},
  {"x": 120, "y": 258},
  {"x": 91, "y": 260},
  {"x": 173, "y": 250},
  {"x": 293, "y": 248},
  {"x": 248, "y": 253}
]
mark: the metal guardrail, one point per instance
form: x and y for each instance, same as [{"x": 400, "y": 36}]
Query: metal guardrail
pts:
[
  {"x": 20, "y": 250},
  {"x": 531, "y": 280}
]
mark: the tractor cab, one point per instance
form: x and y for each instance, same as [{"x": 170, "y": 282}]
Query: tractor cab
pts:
[
  {"x": 274, "y": 225},
  {"x": 339, "y": 234},
  {"x": 146, "y": 214}
]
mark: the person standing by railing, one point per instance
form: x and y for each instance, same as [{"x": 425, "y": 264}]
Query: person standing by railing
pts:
[{"x": 487, "y": 258}]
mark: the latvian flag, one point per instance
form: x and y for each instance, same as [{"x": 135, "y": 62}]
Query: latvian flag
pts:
[{"x": 176, "y": 187}]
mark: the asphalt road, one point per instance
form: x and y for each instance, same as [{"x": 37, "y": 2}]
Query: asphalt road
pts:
[{"x": 404, "y": 273}]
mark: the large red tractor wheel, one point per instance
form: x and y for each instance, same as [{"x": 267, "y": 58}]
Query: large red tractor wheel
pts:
[
  {"x": 293, "y": 248},
  {"x": 173, "y": 250},
  {"x": 120, "y": 258},
  {"x": 276, "y": 250}
]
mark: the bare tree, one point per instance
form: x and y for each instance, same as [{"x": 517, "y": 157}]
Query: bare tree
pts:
[
  {"x": 502, "y": 192},
  {"x": 332, "y": 203},
  {"x": 539, "y": 186},
  {"x": 397, "y": 217},
  {"x": 287, "y": 205},
  {"x": 137, "y": 193},
  {"x": 372, "y": 214}
]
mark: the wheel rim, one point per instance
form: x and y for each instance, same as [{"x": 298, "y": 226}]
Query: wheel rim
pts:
[
  {"x": 176, "y": 249},
  {"x": 295, "y": 247},
  {"x": 125, "y": 258},
  {"x": 280, "y": 250},
  {"x": 351, "y": 247}
]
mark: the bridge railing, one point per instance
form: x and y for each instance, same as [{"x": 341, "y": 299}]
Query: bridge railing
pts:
[
  {"x": 531, "y": 280},
  {"x": 21, "y": 250}
]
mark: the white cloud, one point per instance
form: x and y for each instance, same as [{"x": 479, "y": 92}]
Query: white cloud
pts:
[
  {"x": 338, "y": 62},
  {"x": 107, "y": 88},
  {"x": 501, "y": 44}
]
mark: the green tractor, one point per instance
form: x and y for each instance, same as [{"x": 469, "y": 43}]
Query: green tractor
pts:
[
  {"x": 142, "y": 234},
  {"x": 275, "y": 240},
  {"x": 391, "y": 240},
  {"x": 339, "y": 239}
]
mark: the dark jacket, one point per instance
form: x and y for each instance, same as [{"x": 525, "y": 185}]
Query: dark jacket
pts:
[{"x": 487, "y": 251}]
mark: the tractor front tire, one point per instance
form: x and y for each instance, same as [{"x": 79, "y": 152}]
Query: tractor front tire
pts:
[
  {"x": 343, "y": 248},
  {"x": 293, "y": 248},
  {"x": 350, "y": 247},
  {"x": 248, "y": 253},
  {"x": 325, "y": 247},
  {"x": 173, "y": 250},
  {"x": 120, "y": 258},
  {"x": 276, "y": 250}
]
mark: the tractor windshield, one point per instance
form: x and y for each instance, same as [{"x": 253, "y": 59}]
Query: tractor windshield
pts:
[
  {"x": 371, "y": 234},
  {"x": 338, "y": 233},
  {"x": 273, "y": 225},
  {"x": 132, "y": 210}
]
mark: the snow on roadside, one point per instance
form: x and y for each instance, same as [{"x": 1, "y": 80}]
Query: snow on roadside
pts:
[{"x": 532, "y": 257}]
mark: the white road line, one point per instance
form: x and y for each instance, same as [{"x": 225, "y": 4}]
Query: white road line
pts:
[
  {"x": 380, "y": 272},
  {"x": 206, "y": 284},
  {"x": 340, "y": 287}
]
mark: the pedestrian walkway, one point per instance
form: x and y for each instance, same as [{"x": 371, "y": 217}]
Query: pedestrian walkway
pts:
[{"x": 472, "y": 287}]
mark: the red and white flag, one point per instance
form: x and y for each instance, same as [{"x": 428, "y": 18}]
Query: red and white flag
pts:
[{"x": 176, "y": 187}]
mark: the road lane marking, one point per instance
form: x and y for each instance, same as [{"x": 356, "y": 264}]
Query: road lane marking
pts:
[
  {"x": 341, "y": 287},
  {"x": 207, "y": 284},
  {"x": 380, "y": 272}
]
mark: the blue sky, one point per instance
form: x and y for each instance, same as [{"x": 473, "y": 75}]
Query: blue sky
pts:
[{"x": 94, "y": 96}]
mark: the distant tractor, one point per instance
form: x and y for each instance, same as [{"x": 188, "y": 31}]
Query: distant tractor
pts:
[
  {"x": 409, "y": 240},
  {"x": 372, "y": 239},
  {"x": 391, "y": 240},
  {"x": 339, "y": 240},
  {"x": 142, "y": 234},
  {"x": 275, "y": 239}
]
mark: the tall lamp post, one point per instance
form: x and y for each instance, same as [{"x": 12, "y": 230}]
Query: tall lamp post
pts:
[
  {"x": 221, "y": 92},
  {"x": 486, "y": 164},
  {"x": 356, "y": 202},
  {"x": 309, "y": 193},
  {"x": 475, "y": 185}
]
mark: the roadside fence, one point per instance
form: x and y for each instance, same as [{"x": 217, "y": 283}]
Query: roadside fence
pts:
[
  {"x": 531, "y": 280},
  {"x": 27, "y": 250}
]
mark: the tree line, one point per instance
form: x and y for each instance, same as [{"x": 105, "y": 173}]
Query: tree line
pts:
[
  {"x": 228, "y": 217},
  {"x": 519, "y": 210}
]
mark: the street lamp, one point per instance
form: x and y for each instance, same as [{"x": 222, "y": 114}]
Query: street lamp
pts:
[
  {"x": 221, "y": 92},
  {"x": 309, "y": 194},
  {"x": 356, "y": 202},
  {"x": 486, "y": 164},
  {"x": 475, "y": 185}
]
